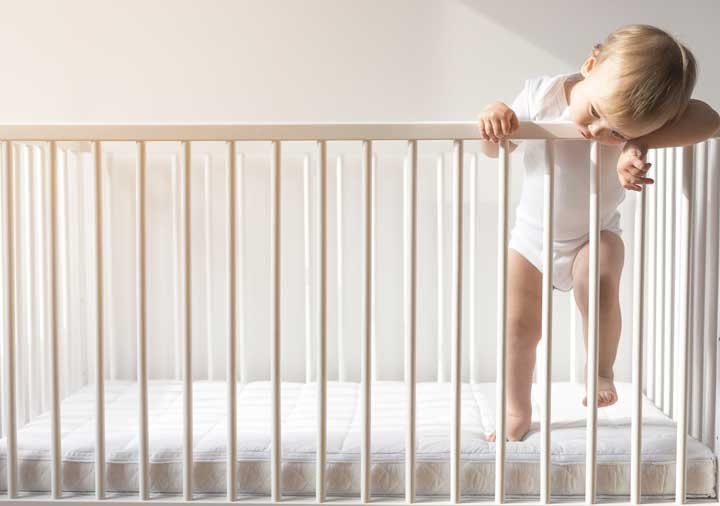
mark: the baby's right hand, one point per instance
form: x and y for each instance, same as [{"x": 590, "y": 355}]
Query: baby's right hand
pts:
[{"x": 496, "y": 121}]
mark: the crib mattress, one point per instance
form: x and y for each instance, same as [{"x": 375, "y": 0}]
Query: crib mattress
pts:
[{"x": 434, "y": 403}]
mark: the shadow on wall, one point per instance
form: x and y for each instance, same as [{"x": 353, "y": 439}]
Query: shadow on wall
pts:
[{"x": 568, "y": 29}]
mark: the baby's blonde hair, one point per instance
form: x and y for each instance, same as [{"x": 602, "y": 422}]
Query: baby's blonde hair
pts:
[{"x": 656, "y": 76}]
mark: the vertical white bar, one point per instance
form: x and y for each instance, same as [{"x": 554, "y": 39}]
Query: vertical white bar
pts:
[
  {"x": 231, "y": 351},
  {"x": 677, "y": 241},
  {"x": 241, "y": 267},
  {"x": 682, "y": 376},
  {"x": 592, "y": 343},
  {"x": 472, "y": 289},
  {"x": 68, "y": 309},
  {"x": 99, "y": 332},
  {"x": 441, "y": 367},
  {"x": 32, "y": 348},
  {"x": 21, "y": 273},
  {"x": 503, "y": 174},
  {"x": 307, "y": 269},
  {"x": 207, "y": 174},
  {"x": 668, "y": 278},
  {"x": 650, "y": 208},
  {"x": 546, "y": 353},
  {"x": 90, "y": 273},
  {"x": 711, "y": 293},
  {"x": 366, "y": 358},
  {"x": 141, "y": 311},
  {"x": 660, "y": 182},
  {"x": 637, "y": 368},
  {"x": 373, "y": 281},
  {"x": 177, "y": 210},
  {"x": 322, "y": 312},
  {"x": 186, "y": 297},
  {"x": 108, "y": 261},
  {"x": 43, "y": 278},
  {"x": 275, "y": 371},
  {"x": 699, "y": 273},
  {"x": 410, "y": 297},
  {"x": 56, "y": 478},
  {"x": 456, "y": 321},
  {"x": 9, "y": 325},
  {"x": 342, "y": 368}
]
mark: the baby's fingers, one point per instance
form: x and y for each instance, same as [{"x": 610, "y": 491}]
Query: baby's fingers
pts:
[
  {"x": 493, "y": 130},
  {"x": 505, "y": 124}
]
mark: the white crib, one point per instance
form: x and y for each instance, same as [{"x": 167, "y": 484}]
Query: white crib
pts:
[{"x": 312, "y": 440}]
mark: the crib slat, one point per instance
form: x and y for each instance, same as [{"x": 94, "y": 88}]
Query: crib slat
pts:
[
  {"x": 472, "y": 262},
  {"x": 410, "y": 297},
  {"x": 10, "y": 330},
  {"x": 307, "y": 269},
  {"x": 440, "y": 185},
  {"x": 56, "y": 478},
  {"x": 592, "y": 342},
  {"x": 637, "y": 367},
  {"x": 186, "y": 297},
  {"x": 503, "y": 174},
  {"x": 231, "y": 351},
  {"x": 547, "y": 278},
  {"x": 342, "y": 367},
  {"x": 698, "y": 306},
  {"x": 207, "y": 187},
  {"x": 711, "y": 294},
  {"x": 242, "y": 350},
  {"x": 684, "y": 317},
  {"x": 176, "y": 232},
  {"x": 99, "y": 336},
  {"x": 275, "y": 371},
  {"x": 366, "y": 358},
  {"x": 141, "y": 294},
  {"x": 456, "y": 322},
  {"x": 650, "y": 317},
  {"x": 373, "y": 282},
  {"x": 660, "y": 373},
  {"x": 31, "y": 296},
  {"x": 321, "y": 316},
  {"x": 668, "y": 277}
]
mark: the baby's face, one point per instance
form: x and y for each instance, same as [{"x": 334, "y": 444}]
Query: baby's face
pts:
[{"x": 586, "y": 101}]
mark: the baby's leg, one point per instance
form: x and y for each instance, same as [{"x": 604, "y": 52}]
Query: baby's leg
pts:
[
  {"x": 524, "y": 321},
  {"x": 612, "y": 255}
]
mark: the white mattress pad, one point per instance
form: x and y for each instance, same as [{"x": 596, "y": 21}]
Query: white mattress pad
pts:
[{"x": 299, "y": 438}]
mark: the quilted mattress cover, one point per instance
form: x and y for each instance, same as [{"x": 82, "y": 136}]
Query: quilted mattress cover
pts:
[{"x": 299, "y": 433}]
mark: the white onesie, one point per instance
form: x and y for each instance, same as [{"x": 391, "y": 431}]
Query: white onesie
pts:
[{"x": 543, "y": 99}]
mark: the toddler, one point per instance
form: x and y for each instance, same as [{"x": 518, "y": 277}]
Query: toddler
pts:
[{"x": 632, "y": 93}]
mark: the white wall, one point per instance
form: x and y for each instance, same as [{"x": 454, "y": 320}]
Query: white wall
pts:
[{"x": 239, "y": 61}]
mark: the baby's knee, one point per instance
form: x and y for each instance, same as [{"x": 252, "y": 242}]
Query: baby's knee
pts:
[
  {"x": 523, "y": 331},
  {"x": 609, "y": 288}
]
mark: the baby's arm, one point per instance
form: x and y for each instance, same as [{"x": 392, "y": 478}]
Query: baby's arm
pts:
[{"x": 698, "y": 122}]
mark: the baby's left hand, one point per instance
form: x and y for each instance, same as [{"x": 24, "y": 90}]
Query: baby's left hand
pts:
[{"x": 632, "y": 167}]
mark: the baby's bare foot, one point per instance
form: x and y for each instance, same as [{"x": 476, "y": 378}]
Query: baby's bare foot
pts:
[
  {"x": 516, "y": 427},
  {"x": 607, "y": 395}
]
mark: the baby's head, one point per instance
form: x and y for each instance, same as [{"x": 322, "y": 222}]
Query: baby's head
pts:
[{"x": 635, "y": 82}]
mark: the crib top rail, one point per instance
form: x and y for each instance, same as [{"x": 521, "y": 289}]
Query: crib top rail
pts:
[{"x": 276, "y": 131}]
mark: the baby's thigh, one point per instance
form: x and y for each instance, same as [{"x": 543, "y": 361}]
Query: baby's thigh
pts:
[{"x": 524, "y": 316}]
